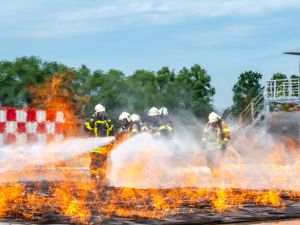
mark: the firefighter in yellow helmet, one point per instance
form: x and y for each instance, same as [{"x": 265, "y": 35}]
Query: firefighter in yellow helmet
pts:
[
  {"x": 217, "y": 135},
  {"x": 100, "y": 126}
]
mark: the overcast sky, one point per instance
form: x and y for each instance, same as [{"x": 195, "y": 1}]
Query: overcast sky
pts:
[{"x": 226, "y": 37}]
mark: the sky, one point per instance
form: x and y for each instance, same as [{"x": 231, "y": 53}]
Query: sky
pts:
[{"x": 225, "y": 37}]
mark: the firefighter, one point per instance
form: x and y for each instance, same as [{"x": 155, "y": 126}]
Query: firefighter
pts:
[
  {"x": 126, "y": 123},
  {"x": 154, "y": 118},
  {"x": 165, "y": 128},
  {"x": 217, "y": 130},
  {"x": 100, "y": 126},
  {"x": 136, "y": 123},
  {"x": 217, "y": 135},
  {"x": 128, "y": 128}
]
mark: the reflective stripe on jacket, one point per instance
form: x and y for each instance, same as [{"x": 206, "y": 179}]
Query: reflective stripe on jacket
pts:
[{"x": 100, "y": 126}]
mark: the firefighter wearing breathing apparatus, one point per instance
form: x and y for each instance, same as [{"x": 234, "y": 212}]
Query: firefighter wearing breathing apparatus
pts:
[
  {"x": 100, "y": 126},
  {"x": 216, "y": 136}
]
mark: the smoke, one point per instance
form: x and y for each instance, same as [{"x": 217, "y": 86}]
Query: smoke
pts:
[
  {"x": 145, "y": 162},
  {"x": 18, "y": 157},
  {"x": 255, "y": 159}
]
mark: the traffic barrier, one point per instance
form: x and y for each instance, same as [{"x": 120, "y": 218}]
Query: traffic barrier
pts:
[{"x": 21, "y": 126}]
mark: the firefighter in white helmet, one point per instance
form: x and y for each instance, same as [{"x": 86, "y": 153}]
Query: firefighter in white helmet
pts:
[
  {"x": 153, "y": 112},
  {"x": 126, "y": 123},
  {"x": 217, "y": 129},
  {"x": 100, "y": 126},
  {"x": 165, "y": 124},
  {"x": 136, "y": 123},
  {"x": 216, "y": 134},
  {"x": 163, "y": 111},
  {"x": 153, "y": 121},
  {"x": 127, "y": 128}
]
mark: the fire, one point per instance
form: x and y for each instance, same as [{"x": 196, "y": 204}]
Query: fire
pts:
[
  {"x": 10, "y": 197},
  {"x": 270, "y": 198},
  {"x": 220, "y": 201},
  {"x": 73, "y": 204},
  {"x": 57, "y": 94},
  {"x": 78, "y": 200}
]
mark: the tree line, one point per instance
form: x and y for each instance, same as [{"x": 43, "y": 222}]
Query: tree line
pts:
[
  {"x": 27, "y": 81},
  {"x": 22, "y": 81}
]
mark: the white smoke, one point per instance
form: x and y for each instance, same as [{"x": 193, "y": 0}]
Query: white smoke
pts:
[
  {"x": 255, "y": 160},
  {"x": 145, "y": 162},
  {"x": 17, "y": 157}
]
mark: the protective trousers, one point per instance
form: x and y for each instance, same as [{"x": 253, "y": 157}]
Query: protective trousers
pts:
[{"x": 98, "y": 167}]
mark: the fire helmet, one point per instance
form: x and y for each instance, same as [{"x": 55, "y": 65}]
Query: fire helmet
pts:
[
  {"x": 135, "y": 118},
  {"x": 153, "y": 112},
  {"x": 213, "y": 117},
  {"x": 163, "y": 111},
  {"x": 99, "y": 108},
  {"x": 125, "y": 116}
]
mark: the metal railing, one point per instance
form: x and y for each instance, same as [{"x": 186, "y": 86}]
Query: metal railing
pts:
[
  {"x": 282, "y": 91},
  {"x": 276, "y": 91},
  {"x": 253, "y": 109}
]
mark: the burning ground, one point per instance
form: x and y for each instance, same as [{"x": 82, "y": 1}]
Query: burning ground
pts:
[{"x": 156, "y": 181}]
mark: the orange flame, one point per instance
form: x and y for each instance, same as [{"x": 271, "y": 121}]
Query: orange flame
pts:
[{"x": 58, "y": 94}]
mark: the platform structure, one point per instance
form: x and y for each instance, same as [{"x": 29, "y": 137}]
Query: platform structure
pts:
[
  {"x": 282, "y": 91},
  {"x": 286, "y": 91}
]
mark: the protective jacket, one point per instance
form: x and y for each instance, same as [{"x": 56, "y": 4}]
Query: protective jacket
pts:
[
  {"x": 219, "y": 134},
  {"x": 100, "y": 126},
  {"x": 164, "y": 130}
]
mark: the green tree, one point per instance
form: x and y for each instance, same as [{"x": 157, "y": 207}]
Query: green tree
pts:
[
  {"x": 279, "y": 76},
  {"x": 108, "y": 89},
  {"x": 196, "y": 93},
  {"x": 22, "y": 82},
  {"x": 142, "y": 91},
  {"x": 18, "y": 76},
  {"x": 246, "y": 88},
  {"x": 167, "y": 87}
]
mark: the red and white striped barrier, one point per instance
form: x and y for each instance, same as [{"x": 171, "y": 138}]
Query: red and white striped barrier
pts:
[{"x": 21, "y": 126}]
